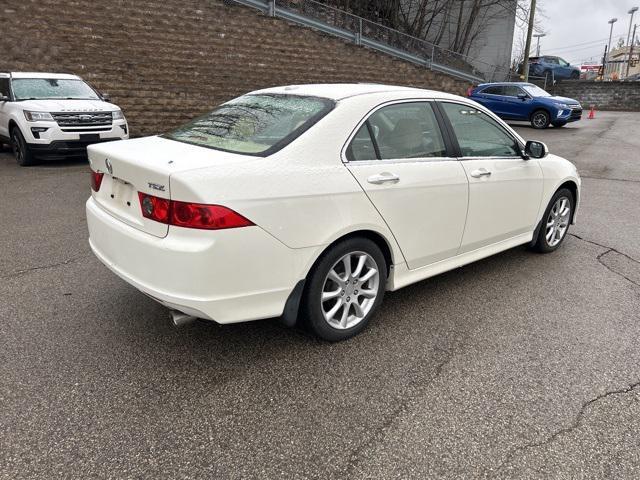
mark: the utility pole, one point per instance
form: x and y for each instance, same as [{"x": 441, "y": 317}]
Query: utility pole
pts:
[
  {"x": 610, "y": 22},
  {"x": 538, "y": 35},
  {"x": 631, "y": 12},
  {"x": 631, "y": 50},
  {"x": 532, "y": 14}
]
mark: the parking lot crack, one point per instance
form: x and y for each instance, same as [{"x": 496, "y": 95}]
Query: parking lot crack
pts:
[
  {"x": 379, "y": 432},
  {"x": 27, "y": 271},
  {"x": 602, "y": 259},
  {"x": 577, "y": 422}
]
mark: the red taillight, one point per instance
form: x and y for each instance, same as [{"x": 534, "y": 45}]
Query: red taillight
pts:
[
  {"x": 155, "y": 208},
  {"x": 190, "y": 215},
  {"x": 96, "y": 180}
]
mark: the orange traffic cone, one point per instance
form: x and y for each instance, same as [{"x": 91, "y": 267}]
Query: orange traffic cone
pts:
[{"x": 592, "y": 113}]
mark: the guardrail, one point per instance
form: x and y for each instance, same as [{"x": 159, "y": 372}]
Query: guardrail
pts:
[{"x": 370, "y": 34}]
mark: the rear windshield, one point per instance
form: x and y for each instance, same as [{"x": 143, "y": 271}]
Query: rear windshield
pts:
[
  {"x": 52, "y": 88},
  {"x": 254, "y": 124}
]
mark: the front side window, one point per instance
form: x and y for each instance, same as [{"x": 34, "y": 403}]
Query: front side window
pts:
[
  {"x": 478, "y": 134},
  {"x": 254, "y": 124},
  {"x": 403, "y": 130},
  {"x": 512, "y": 91},
  {"x": 52, "y": 88}
]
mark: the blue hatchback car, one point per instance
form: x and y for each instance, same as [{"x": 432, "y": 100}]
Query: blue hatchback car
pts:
[{"x": 526, "y": 102}]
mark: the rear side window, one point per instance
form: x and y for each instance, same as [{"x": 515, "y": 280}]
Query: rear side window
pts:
[
  {"x": 478, "y": 134},
  {"x": 403, "y": 130},
  {"x": 361, "y": 147},
  {"x": 495, "y": 90},
  {"x": 254, "y": 124}
]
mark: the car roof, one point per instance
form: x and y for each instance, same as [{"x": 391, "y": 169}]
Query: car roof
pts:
[
  {"x": 57, "y": 76},
  {"x": 339, "y": 91},
  {"x": 520, "y": 84}
]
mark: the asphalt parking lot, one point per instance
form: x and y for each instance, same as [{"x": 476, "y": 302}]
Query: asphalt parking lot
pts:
[{"x": 518, "y": 366}]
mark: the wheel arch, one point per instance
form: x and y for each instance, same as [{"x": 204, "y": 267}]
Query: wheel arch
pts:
[
  {"x": 293, "y": 303},
  {"x": 13, "y": 123},
  {"x": 537, "y": 108},
  {"x": 573, "y": 188}
]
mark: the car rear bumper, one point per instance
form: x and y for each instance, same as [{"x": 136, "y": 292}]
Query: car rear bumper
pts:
[{"x": 227, "y": 276}]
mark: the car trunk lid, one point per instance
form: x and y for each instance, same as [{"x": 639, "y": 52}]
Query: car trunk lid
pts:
[{"x": 145, "y": 165}]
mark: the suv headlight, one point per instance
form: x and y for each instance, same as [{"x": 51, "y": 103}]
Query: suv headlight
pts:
[
  {"x": 563, "y": 106},
  {"x": 117, "y": 115},
  {"x": 38, "y": 116}
]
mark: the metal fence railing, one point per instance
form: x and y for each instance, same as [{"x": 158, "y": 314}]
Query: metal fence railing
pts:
[{"x": 376, "y": 36}]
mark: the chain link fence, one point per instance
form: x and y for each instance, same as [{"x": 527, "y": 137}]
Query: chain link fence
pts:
[{"x": 374, "y": 35}]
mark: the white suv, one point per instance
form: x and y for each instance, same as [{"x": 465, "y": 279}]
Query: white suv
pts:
[{"x": 54, "y": 115}]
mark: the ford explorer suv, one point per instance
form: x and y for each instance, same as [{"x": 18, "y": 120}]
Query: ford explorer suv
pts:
[
  {"x": 551, "y": 67},
  {"x": 48, "y": 116},
  {"x": 526, "y": 102}
]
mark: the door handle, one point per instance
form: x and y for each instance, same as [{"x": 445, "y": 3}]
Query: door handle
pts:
[
  {"x": 384, "y": 177},
  {"x": 481, "y": 172}
]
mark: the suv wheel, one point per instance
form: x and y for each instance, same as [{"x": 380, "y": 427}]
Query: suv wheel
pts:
[
  {"x": 540, "y": 119},
  {"x": 21, "y": 151},
  {"x": 345, "y": 289}
]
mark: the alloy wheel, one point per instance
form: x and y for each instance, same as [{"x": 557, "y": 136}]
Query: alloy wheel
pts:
[
  {"x": 540, "y": 120},
  {"x": 350, "y": 290},
  {"x": 558, "y": 221}
]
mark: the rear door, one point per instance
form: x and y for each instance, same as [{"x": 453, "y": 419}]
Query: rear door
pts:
[
  {"x": 505, "y": 190},
  {"x": 492, "y": 98},
  {"x": 399, "y": 157}
]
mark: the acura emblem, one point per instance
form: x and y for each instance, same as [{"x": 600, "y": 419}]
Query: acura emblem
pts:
[{"x": 107, "y": 162}]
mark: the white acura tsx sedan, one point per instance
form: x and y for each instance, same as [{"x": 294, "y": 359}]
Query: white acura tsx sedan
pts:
[{"x": 308, "y": 202}]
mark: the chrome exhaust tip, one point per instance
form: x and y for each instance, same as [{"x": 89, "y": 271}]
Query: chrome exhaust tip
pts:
[{"x": 180, "y": 319}]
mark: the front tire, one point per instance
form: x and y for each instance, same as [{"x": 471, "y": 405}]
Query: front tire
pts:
[
  {"x": 21, "y": 151},
  {"x": 555, "y": 222},
  {"x": 345, "y": 289},
  {"x": 540, "y": 119}
]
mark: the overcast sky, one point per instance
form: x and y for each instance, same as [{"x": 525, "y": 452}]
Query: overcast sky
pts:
[{"x": 577, "y": 30}]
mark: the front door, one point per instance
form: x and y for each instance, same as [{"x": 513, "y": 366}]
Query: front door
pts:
[
  {"x": 399, "y": 158},
  {"x": 505, "y": 190},
  {"x": 517, "y": 103}
]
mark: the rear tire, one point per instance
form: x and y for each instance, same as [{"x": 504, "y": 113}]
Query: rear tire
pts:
[
  {"x": 540, "y": 119},
  {"x": 555, "y": 222},
  {"x": 21, "y": 151},
  {"x": 345, "y": 289}
]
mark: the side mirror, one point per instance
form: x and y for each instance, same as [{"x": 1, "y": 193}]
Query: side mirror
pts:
[
  {"x": 106, "y": 97},
  {"x": 4, "y": 98},
  {"x": 522, "y": 96},
  {"x": 535, "y": 149}
]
